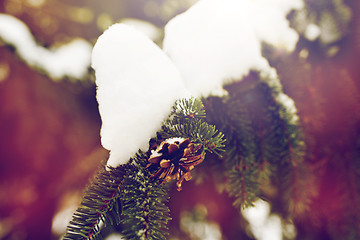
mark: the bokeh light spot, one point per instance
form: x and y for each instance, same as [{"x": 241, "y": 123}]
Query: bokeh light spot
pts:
[
  {"x": 104, "y": 21},
  {"x": 81, "y": 15},
  {"x": 195, "y": 224},
  {"x": 304, "y": 53},
  {"x": 289, "y": 230},
  {"x": 312, "y": 32},
  {"x": 4, "y": 71},
  {"x": 13, "y": 7},
  {"x": 36, "y": 3}
]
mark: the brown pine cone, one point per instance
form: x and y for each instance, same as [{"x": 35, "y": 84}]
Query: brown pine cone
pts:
[{"x": 175, "y": 157}]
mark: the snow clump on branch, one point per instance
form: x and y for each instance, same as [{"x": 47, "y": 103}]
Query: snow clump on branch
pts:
[
  {"x": 214, "y": 42},
  {"x": 137, "y": 84},
  {"x": 219, "y": 41}
]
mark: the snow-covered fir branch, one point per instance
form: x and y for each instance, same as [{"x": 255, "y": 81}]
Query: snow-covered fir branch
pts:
[{"x": 211, "y": 44}]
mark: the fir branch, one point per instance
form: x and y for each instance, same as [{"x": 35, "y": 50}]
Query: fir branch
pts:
[
  {"x": 145, "y": 214},
  {"x": 242, "y": 155},
  {"x": 122, "y": 199},
  {"x": 243, "y": 185},
  {"x": 128, "y": 198},
  {"x": 99, "y": 201},
  {"x": 290, "y": 148},
  {"x": 242, "y": 158},
  {"x": 262, "y": 134},
  {"x": 242, "y": 135},
  {"x": 202, "y": 133},
  {"x": 275, "y": 139},
  {"x": 190, "y": 124},
  {"x": 189, "y": 108}
]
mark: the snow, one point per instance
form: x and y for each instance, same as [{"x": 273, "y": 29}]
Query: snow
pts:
[
  {"x": 61, "y": 219},
  {"x": 115, "y": 236},
  {"x": 137, "y": 85},
  {"x": 174, "y": 140},
  {"x": 70, "y": 60},
  {"x": 289, "y": 105},
  {"x": 219, "y": 41},
  {"x": 263, "y": 225},
  {"x": 200, "y": 227}
]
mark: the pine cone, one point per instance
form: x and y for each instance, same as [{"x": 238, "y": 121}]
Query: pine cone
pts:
[{"x": 175, "y": 158}]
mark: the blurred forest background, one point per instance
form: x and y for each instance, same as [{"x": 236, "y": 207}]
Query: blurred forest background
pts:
[{"x": 49, "y": 127}]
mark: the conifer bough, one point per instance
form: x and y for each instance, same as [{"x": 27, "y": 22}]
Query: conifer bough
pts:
[
  {"x": 132, "y": 198},
  {"x": 153, "y": 141}
]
